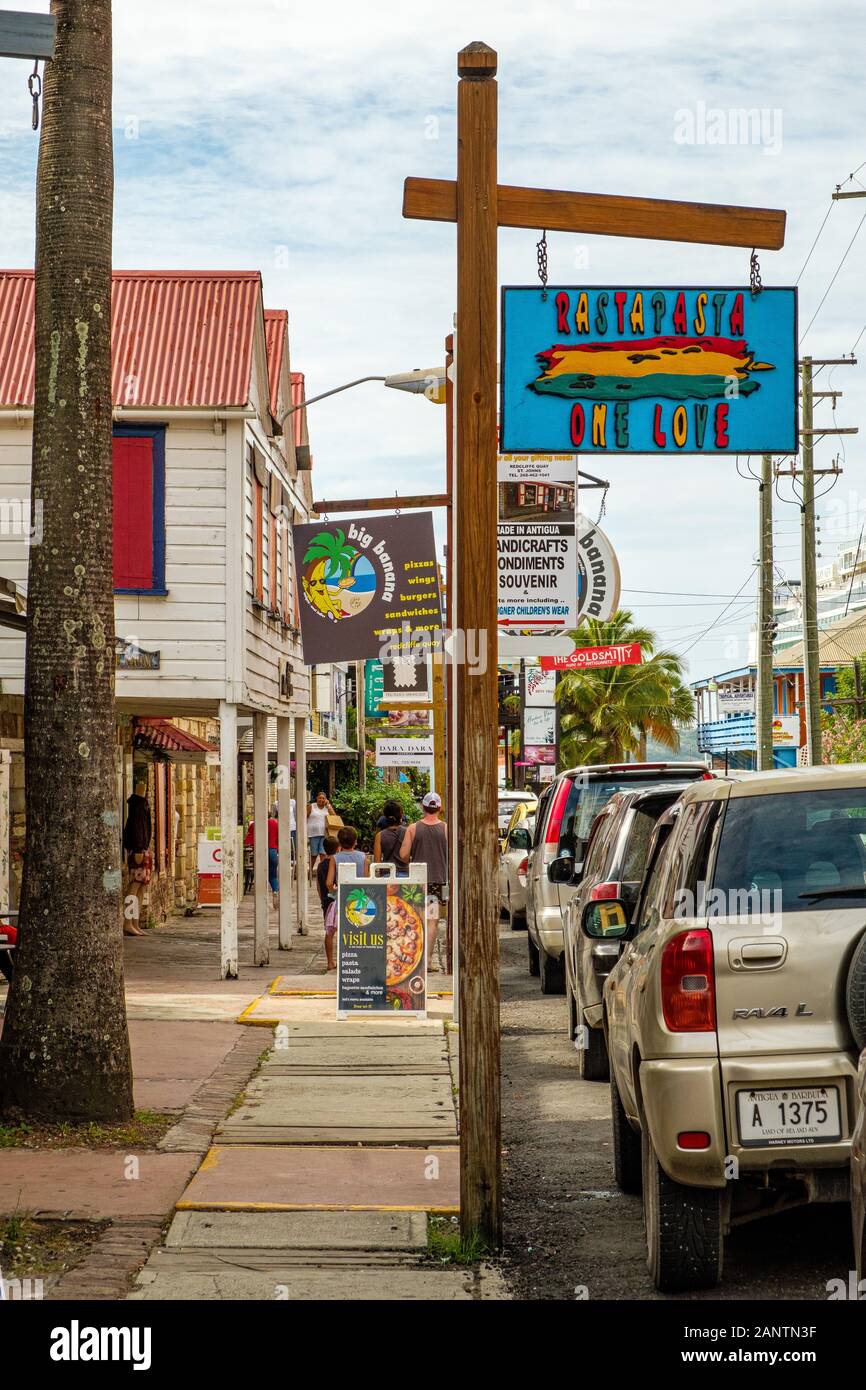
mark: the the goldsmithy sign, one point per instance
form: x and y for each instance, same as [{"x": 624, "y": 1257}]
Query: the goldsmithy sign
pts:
[{"x": 363, "y": 579}]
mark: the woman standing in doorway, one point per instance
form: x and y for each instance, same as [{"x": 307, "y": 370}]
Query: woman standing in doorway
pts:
[{"x": 139, "y": 860}]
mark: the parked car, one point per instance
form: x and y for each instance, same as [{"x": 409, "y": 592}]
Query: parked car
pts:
[
  {"x": 508, "y": 800},
  {"x": 616, "y": 856},
  {"x": 563, "y": 822},
  {"x": 858, "y": 1175},
  {"x": 732, "y": 1017},
  {"x": 513, "y": 864}
]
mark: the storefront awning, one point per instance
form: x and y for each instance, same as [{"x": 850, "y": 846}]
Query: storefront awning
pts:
[{"x": 161, "y": 737}]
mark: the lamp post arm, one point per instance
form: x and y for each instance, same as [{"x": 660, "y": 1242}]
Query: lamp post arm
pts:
[{"x": 335, "y": 391}]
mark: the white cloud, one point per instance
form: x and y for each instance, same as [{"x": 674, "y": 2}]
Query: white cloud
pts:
[{"x": 280, "y": 124}]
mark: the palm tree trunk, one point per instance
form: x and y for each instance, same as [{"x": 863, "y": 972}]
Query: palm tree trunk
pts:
[
  {"x": 65, "y": 1046},
  {"x": 642, "y": 747}
]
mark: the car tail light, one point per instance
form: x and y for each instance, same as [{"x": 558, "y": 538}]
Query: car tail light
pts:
[
  {"x": 693, "y": 1139},
  {"x": 603, "y": 891},
  {"x": 687, "y": 983},
  {"x": 706, "y": 777},
  {"x": 523, "y": 867},
  {"x": 557, "y": 811}
]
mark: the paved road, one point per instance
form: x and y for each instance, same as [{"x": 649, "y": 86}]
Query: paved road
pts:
[{"x": 567, "y": 1226}]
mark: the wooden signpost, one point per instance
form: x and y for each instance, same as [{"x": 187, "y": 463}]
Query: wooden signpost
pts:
[
  {"x": 25, "y": 35},
  {"x": 479, "y": 206}
]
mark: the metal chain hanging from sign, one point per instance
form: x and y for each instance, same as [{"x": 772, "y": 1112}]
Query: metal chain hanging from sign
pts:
[
  {"x": 34, "y": 86},
  {"x": 755, "y": 284},
  {"x": 541, "y": 255}
]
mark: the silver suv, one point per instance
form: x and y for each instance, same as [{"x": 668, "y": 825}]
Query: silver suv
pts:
[
  {"x": 732, "y": 1018},
  {"x": 616, "y": 859},
  {"x": 564, "y": 819}
]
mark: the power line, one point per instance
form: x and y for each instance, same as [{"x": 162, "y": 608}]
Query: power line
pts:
[
  {"x": 678, "y": 593},
  {"x": 713, "y": 624},
  {"x": 835, "y": 274},
  {"x": 815, "y": 242}
]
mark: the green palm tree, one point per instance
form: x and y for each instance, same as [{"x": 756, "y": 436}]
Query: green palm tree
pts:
[
  {"x": 332, "y": 547},
  {"x": 608, "y": 714}
]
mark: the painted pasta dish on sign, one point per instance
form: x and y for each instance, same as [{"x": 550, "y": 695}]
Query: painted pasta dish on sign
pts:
[{"x": 405, "y": 932}]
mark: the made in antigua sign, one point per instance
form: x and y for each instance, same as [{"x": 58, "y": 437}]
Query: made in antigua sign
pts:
[
  {"x": 536, "y": 542},
  {"x": 649, "y": 370},
  {"x": 364, "y": 582}
]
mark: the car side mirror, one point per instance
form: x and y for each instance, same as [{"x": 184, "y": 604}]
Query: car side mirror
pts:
[
  {"x": 561, "y": 870},
  {"x": 520, "y": 839},
  {"x": 605, "y": 919}
]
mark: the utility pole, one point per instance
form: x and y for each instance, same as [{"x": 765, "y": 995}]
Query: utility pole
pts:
[
  {"x": 475, "y": 515},
  {"x": 811, "y": 666},
  {"x": 764, "y": 710},
  {"x": 808, "y": 473}
]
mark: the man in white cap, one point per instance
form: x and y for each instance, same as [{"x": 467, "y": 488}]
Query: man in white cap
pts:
[{"x": 426, "y": 842}]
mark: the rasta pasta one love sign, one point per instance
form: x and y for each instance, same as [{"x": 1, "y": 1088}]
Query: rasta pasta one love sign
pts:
[{"x": 631, "y": 370}]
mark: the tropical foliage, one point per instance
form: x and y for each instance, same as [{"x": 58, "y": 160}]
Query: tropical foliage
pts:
[
  {"x": 843, "y": 734},
  {"x": 332, "y": 548},
  {"x": 362, "y": 807},
  {"x": 607, "y": 714}
]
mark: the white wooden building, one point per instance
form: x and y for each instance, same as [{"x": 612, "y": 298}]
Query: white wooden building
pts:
[{"x": 207, "y": 483}]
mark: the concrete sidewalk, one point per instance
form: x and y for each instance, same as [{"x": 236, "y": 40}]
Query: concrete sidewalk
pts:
[{"x": 320, "y": 1182}]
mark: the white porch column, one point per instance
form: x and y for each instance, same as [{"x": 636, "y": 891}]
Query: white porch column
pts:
[
  {"x": 284, "y": 796},
  {"x": 229, "y": 838},
  {"x": 301, "y": 808},
  {"x": 260, "y": 838}
]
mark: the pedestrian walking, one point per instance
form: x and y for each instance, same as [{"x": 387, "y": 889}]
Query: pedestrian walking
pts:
[
  {"x": 426, "y": 842},
  {"x": 347, "y": 853},
  {"x": 327, "y": 898},
  {"x": 389, "y": 837},
  {"x": 273, "y": 852},
  {"x": 317, "y": 826}
]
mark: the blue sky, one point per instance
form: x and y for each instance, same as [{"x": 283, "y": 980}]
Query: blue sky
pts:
[{"x": 276, "y": 135}]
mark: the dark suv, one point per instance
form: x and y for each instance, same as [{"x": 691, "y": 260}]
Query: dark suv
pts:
[
  {"x": 616, "y": 857},
  {"x": 563, "y": 822}
]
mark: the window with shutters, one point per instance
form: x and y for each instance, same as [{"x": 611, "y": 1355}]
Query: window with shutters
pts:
[{"x": 138, "y": 465}]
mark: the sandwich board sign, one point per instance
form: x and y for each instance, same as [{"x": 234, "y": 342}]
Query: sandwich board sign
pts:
[
  {"x": 382, "y": 941},
  {"x": 612, "y": 369}
]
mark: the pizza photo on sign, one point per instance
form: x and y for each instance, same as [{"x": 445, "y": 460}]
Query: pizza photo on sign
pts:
[{"x": 405, "y": 931}]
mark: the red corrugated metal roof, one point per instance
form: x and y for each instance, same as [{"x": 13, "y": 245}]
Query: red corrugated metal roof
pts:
[
  {"x": 299, "y": 419},
  {"x": 276, "y": 336},
  {"x": 161, "y": 734},
  {"x": 179, "y": 338}
]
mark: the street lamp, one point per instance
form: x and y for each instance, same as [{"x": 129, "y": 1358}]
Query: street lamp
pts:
[{"x": 429, "y": 382}]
